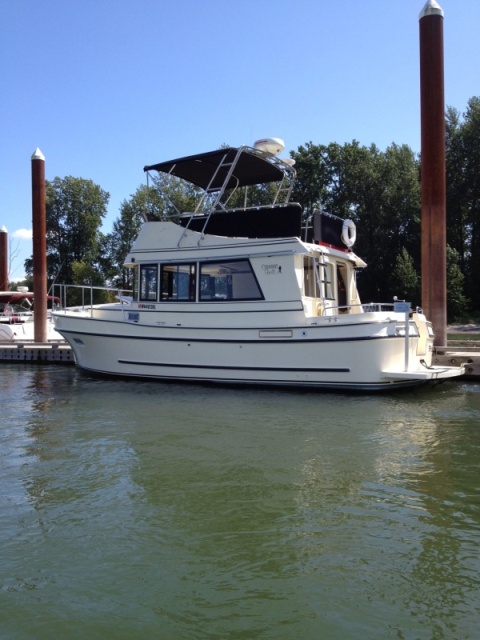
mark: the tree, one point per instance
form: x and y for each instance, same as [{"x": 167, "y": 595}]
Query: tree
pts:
[
  {"x": 405, "y": 279},
  {"x": 379, "y": 191},
  {"x": 173, "y": 196},
  {"x": 75, "y": 208},
  {"x": 471, "y": 144},
  {"x": 126, "y": 227},
  {"x": 457, "y": 303},
  {"x": 463, "y": 193},
  {"x": 457, "y": 207},
  {"x": 13, "y": 251},
  {"x": 165, "y": 198},
  {"x": 313, "y": 176}
]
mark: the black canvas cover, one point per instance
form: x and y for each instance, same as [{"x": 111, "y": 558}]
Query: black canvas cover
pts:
[
  {"x": 328, "y": 229},
  {"x": 268, "y": 222},
  {"x": 210, "y": 170}
]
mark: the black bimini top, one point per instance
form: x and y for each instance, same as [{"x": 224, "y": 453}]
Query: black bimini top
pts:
[{"x": 210, "y": 170}]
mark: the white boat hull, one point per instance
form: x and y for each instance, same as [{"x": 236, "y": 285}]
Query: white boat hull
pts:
[{"x": 360, "y": 356}]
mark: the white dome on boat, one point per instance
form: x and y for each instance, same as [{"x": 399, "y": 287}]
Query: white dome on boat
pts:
[{"x": 274, "y": 146}]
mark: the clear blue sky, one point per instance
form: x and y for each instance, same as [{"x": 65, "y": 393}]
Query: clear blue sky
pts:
[{"x": 104, "y": 87}]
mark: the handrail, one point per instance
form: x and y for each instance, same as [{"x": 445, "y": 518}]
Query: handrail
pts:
[
  {"x": 63, "y": 293},
  {"x": 372, "y": 307}
]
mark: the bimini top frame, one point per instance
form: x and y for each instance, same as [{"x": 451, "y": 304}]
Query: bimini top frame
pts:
[{"x": 223, "y": 171}]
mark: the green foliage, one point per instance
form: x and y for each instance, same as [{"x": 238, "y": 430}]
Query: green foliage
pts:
[
  {"x": 126, "y": 227},
  {"x": 457, "y": 303},
  {"x": 75, "y": 209},
  {"x": 251, "y": 196},
  {"x": 169, "y": 196},
  {"x": 463, "y": 193},
  {"x": 313, "y": 176},
  {"x": 28, "y": 282},
  {"x": 405, "y": 279},
  {"x": 379, "y": 191},
  {"x": 85, "y": 273},
  {"x": 457, "y": 207}
]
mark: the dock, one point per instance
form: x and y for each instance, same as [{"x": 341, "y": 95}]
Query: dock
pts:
[
  {"x": 28, "y": 351},
  {"x": 459, "y": 352}
]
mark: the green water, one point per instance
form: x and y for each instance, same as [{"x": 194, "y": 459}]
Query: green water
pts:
[{"x": 142, "y": 510}]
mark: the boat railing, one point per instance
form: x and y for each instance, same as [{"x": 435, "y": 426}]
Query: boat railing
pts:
[
  {"x": 373, "y": 307},
  {"x": 376, "y": 307},
  {"x": 83, "y": 297}
]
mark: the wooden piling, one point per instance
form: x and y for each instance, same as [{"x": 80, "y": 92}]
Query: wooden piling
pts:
[
  {"x": 39, "y": 231},
  {"x": 433, "y": 224},
  {"x": 3, "y": 259}
]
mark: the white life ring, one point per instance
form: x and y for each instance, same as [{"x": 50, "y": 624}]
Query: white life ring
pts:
[{"x": 349, "y": 233}]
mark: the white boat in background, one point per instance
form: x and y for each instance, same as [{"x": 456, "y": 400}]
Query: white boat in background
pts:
[
  {"x": 245, "y": 293},
  {"x": 17, "y": 317}
]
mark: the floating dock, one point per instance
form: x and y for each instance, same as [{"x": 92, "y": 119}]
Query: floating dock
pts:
[
  {"x": 459, "y": 352},
  {"x": 20, "y": 351}
]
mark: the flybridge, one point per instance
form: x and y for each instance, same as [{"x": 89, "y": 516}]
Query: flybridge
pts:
[{"x": 220, "y": 173}]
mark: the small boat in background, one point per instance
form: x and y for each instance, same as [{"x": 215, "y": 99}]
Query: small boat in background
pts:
[{"x": 17, "y": 316}]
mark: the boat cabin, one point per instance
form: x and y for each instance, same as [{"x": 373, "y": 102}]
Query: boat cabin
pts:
[{"x": 244, "y": 195}]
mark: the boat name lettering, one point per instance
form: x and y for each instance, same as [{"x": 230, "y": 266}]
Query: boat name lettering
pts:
[
  {"x": 147, "y": 306},
  {"x": 271, "y": 268}
]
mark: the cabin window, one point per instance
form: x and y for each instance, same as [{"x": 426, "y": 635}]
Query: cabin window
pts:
[
  {"x": 230, "y": 280},
  {"x": 148, "y": 282},
  {"x": 178, "y": 282}
]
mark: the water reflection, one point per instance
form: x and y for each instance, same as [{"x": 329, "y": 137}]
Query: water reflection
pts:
[
  {"x": 162, "y": 511},
  {"x": 392, "y": 521}
]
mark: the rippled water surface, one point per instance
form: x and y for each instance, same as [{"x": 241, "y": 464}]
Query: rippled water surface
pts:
[{"x": 142, "y": 510}]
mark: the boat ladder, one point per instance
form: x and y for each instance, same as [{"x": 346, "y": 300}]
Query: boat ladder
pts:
[{"x": 226, "y": 166}]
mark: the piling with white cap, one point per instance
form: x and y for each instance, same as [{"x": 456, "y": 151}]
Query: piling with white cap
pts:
[
  {"x": 433, "y": 172},
  {"x": 3, "y": 259},
  {"x": 39, "y": 233}
]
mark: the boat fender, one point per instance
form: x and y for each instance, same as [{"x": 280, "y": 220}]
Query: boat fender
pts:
[{"x": 349, "y": 233}]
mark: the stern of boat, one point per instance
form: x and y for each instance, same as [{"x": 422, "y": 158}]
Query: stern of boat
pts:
[{"x": 418, "y": 354}]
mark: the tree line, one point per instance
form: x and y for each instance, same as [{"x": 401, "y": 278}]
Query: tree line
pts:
[{"x": 379, "y": 190}]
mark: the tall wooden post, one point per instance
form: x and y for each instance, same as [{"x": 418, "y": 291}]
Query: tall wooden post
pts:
[
  {"x": 433, "y": 225},
  {"x": 3, "y": 259},
  {"x": 39, "y": 232}
]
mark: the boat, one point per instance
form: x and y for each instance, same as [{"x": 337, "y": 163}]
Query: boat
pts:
[
  {"x": 17, "y": 316},
  {"x": 242, "y": 290}
]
